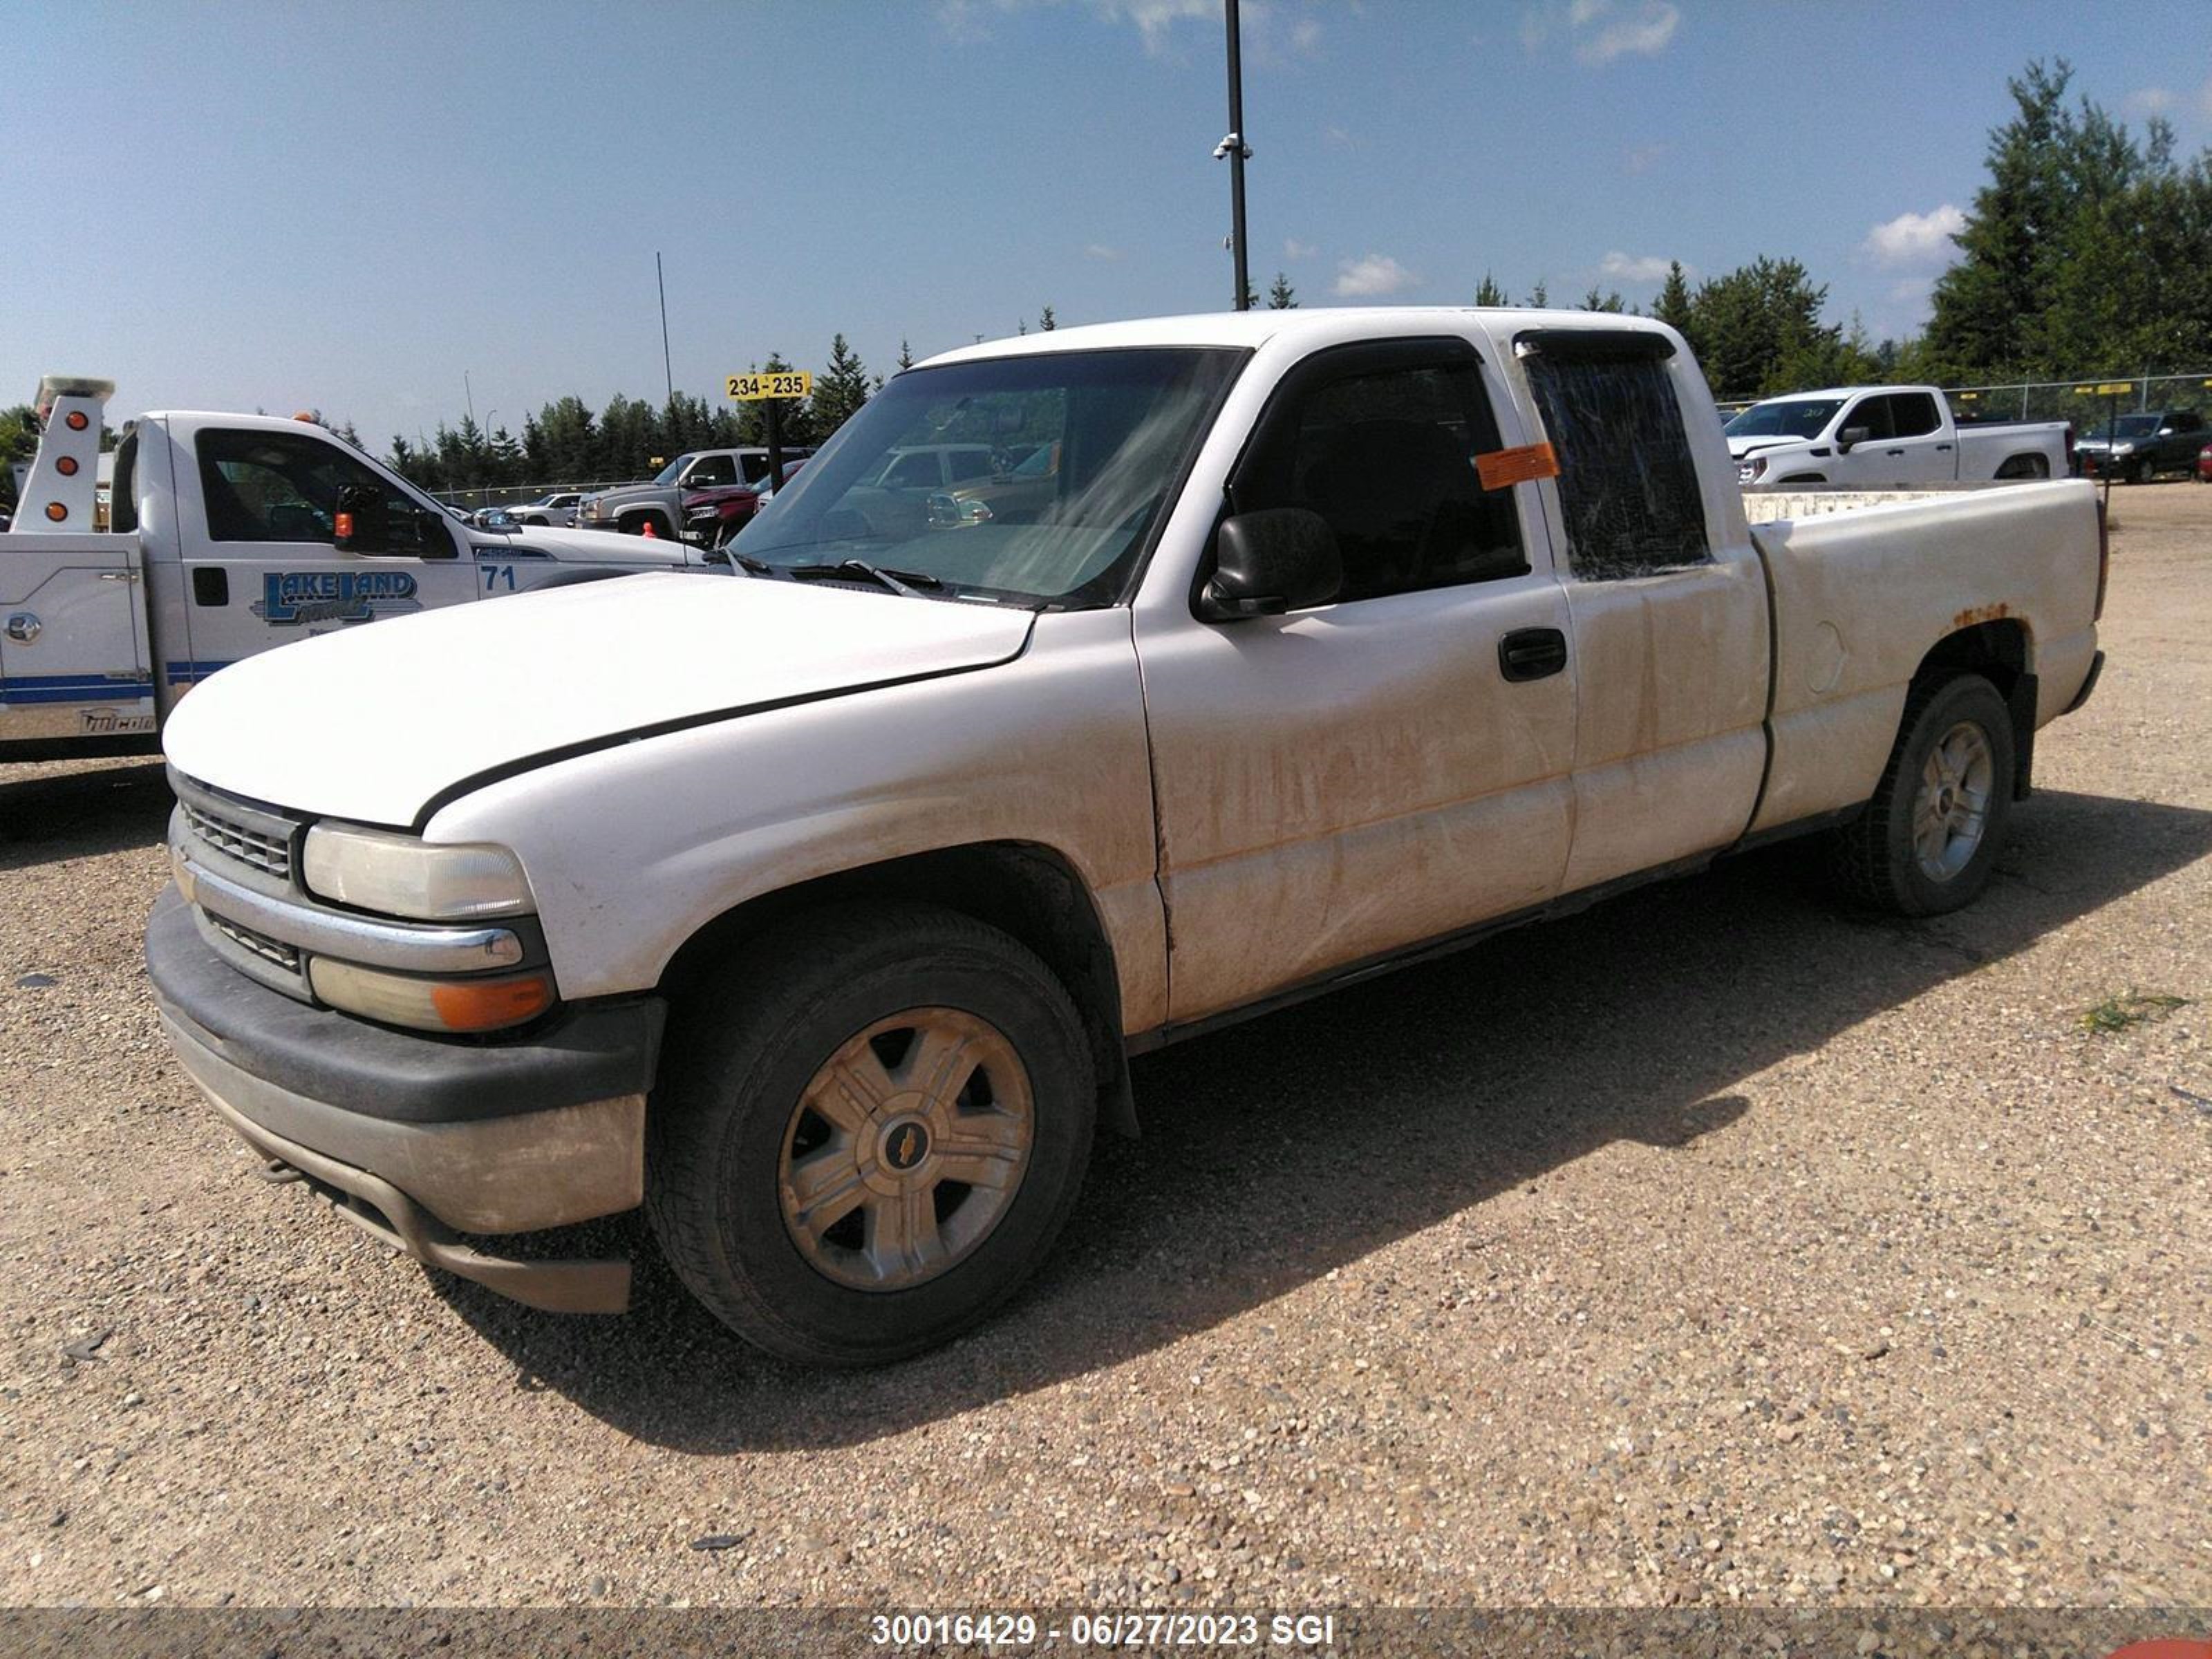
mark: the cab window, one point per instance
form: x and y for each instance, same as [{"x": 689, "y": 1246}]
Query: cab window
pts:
[
  {"x": 283, "y": 487},
  {"x": 1913, "y": 415},
  {"x": 915, "y": 470},
  {"x": 710, "y": 470},
  {"x": 1627, "y": 481},
  {"x": 1381, "y": 441},
  {"x": 1874, "y": 414}
]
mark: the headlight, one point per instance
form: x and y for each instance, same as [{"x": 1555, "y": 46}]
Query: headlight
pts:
[
  {"x": 1749, "y": 471},
  {"x": 403, "y": 876},
  {"x": 2123, "y": 449}
]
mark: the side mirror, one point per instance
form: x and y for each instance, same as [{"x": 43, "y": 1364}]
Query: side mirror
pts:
[
  {"x": 362, "y": 522},
  {"x": 1848, "y": 436},
  {"x": 1278, "y": 559}
]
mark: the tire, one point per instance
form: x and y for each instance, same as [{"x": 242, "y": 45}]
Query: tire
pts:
[
  {"x": 2144, "y": 471},
  {"x": 1875, "y": 859},
  {"x": 751, "y": 1060}
]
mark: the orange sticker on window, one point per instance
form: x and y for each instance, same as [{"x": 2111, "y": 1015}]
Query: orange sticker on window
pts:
[{"x": 1502, "y": 467}]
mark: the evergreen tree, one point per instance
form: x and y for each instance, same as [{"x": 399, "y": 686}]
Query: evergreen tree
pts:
[
  {"x": 840, "y": 389},
  {"x": 1593, "y": 300},
  {"x": 1281, "y": 296},
  {"x": 906, "y": 355},
  {"x": 2061, "y": 223},
  {"x": 1672, "y": 307},
  {"x": 1539, "y": 296},
  {"x": 1046, "y": 321},
  {"x": 1489, "y": 293}
]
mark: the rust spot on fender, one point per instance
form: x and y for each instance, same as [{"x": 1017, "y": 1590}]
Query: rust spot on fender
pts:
[{"x": 1981, "y": 613}]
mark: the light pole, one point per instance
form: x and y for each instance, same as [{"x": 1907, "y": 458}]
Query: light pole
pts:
[{"x": 1238, "y": 152}]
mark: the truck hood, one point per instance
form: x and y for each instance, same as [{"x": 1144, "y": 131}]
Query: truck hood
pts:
[
  {"x": 577, "y": 547},
  {"x": 1740, "y": 447},
  {"x": 373, "y": 722}
]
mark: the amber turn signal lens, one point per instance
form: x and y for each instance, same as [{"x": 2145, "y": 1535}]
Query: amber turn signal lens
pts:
[
  {"x": 66, "y": 465},
  {"x": 344, "y": 526},
  {"x": 486, "y": 1007},
  {"x": 74, "y": 420},
  {"x": 56, "y": 512}
]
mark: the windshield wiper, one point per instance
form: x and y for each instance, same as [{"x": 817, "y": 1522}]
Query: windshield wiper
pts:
[{"x": 913, "y": 584}]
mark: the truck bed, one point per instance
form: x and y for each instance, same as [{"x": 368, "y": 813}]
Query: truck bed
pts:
[{"x": 1866, "y": 584}]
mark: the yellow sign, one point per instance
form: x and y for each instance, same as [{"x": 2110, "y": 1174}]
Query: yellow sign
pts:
[
  {"x": 2110, "y": 388},
  {"x": 758, "y": 388},
  {"x": 1966, "y": 396}
]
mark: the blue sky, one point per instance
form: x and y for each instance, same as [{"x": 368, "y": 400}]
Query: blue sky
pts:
[{"x": 351, "y": 206}]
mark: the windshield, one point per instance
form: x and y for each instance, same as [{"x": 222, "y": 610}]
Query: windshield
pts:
[
  {"x": 1793, "y": 417},
  {"x": 1122, "y": 423},
  {"x": 2131, "y": 426},
  {"x": 667, "y": 474}
]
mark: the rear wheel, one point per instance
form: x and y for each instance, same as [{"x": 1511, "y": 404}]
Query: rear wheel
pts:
[
  {"x": 873, "y": 1125},
  {"x": 1927, "y": 841}
]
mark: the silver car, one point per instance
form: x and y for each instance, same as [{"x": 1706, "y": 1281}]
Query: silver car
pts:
[{"x": 557, "y": 509}]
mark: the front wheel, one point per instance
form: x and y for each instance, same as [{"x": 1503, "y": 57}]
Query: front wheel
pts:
[
  {"x": 872, "y": 1124},
  {"x": 2144, "y": 471},
  {"x": 1927, "y": 840}
]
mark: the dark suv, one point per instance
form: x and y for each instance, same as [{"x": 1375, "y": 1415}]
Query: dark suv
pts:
[{"x": 2139, "y": 447}]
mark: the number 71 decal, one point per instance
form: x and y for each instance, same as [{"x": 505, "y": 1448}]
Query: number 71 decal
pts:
[{"x": 497, "y": 578}]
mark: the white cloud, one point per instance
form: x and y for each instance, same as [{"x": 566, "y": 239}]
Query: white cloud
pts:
[
  {"x": 1156, "y": 19},
  {"x": 1644, "y": 35},
  {"x": 1601, "y": 30},
  {"x": 1915, "y": 239},
  {"x": 1642, "y": 158},
  {"x": 2150, "y": 100},
  {"x": 1100, "y": 251},
  {"x": 1294, "y": 249},
  {"x": 1375, "y": 277},
  {"x": 1627, "y": 267}
]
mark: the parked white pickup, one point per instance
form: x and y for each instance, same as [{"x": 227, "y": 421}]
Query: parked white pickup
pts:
[
  {"x": 1338, "y": 638},
  {"x": 223, "y": 541},
  {"x": 1888, "y": 437}
]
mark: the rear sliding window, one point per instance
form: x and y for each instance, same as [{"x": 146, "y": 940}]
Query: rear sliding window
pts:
[{"x": 1628, "y": 486}]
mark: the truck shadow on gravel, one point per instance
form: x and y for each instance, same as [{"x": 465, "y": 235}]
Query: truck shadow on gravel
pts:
[
  {"x": 75, "y": 815},
  {"x": 1278, "y": 1149}
]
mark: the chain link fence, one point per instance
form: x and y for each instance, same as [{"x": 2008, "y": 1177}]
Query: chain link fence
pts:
[
  {"x": 2086, "y": 401},
  {"x": 473, "y": 501}
]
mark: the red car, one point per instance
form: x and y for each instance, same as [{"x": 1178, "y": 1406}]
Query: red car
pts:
[
  {"x": 715, "y": 513},
  {"x": 2204, "y": 464}
]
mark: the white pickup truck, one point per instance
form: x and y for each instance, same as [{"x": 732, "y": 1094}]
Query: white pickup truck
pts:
[
  {"x": 1888, "y": 437},
  {"x": 228, "y": 534},
  {"x": 821, "y": 918}
]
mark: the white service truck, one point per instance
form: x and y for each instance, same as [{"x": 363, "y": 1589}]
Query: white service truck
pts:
[
  {"x": 228, "y": 534},
  {"x": 1888, "y": 437},
  {"x": 821, "y": 920}
]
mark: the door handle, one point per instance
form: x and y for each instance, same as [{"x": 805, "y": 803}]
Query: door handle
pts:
[
  {"x": 1532, "y": 653},
  {"x": 119, "y": 575},
  {"x": 1893, "y": 451},
  {"x": 1942, "y": 448}
]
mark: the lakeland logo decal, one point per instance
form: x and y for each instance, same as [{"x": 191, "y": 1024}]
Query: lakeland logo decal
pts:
[{"x": 293, "y": 599}]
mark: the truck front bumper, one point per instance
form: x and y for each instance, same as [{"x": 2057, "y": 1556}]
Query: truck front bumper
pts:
[{"x": 416, "y": 1140}]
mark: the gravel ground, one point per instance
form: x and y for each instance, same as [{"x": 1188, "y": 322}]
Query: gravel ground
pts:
[{"x": 1715, "y": 1245}]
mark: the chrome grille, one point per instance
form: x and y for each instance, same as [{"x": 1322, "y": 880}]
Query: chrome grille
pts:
[
  {"x": 237, "y": 840},
  {"x": 260, "y": 944}
]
